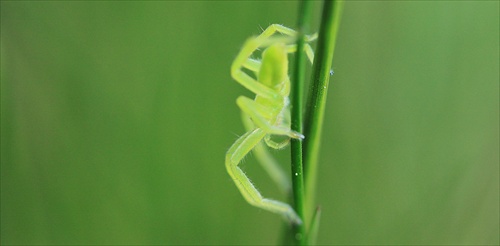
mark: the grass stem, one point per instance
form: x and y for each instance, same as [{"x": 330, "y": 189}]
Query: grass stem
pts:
[
  {"x": 315, "y": 109},
  {"x": 297, "y": 96}
]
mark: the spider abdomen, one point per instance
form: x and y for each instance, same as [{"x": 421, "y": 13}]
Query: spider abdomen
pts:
[{"x": 274, "y": 68}]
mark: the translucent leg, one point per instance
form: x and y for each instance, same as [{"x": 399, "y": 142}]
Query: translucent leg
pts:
[
  {"x": 233, "y": 157},
  {"x": 267, "y": 161},
  {"x": 275, "y": 145},
  {"x": 243, "y": 58},
  {"x": 292, "y": 48},
  {"x": 255, "y": 112},
  {"x": 244, "y": 79}
]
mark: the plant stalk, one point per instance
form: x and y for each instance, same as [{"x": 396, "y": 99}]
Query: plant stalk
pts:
[
  {"x": 297, "y": 95},
  {"x": 315, "y": 109}
]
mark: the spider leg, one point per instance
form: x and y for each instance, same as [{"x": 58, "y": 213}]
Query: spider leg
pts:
[
  {"x": 258, "y": 115},
  {"x": 309, "y": 52},
  {"x": 292, "y": 33},
  {"x": 311, "y": 37},
  {"x": 267, "y": 161},
  {"x": 273, "y": 28},
  {"x": 243, "y": 60},
  {"x": 285, "y": 121},
  {"x": 292, "y": 48},
  {"x": 252, "y": 64},
  {"x": 233, "y": 157},
  {"x": 275, "y": 145}
]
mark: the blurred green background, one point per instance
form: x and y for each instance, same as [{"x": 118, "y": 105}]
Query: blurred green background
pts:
[{"x": 115, "y": 119}]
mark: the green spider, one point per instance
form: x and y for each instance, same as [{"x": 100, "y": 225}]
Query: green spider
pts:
[{"x": 268, "y": 114}]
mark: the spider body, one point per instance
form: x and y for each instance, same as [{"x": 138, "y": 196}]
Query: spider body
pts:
[{"x": 267, "y": 114}]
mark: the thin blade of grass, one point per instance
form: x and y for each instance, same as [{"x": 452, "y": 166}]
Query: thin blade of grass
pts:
[
  {"x": 315, "y": 109},
  {"x": 312, "y": 234},
  {"x": 297, "y": 95}
]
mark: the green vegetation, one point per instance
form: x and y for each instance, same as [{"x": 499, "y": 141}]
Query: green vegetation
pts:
[
  {"x": 115, "y": 117},
  {"x": 308, "y": 157}
]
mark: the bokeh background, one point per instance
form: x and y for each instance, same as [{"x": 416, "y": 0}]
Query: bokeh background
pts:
[{"x": 115, "y": 119}]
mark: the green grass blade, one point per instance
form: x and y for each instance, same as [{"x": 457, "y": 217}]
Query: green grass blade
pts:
[
  {"x": 315, "y": 109},
  {"x": 312, "y": 234},
  {"x": 297, "y": 93}
]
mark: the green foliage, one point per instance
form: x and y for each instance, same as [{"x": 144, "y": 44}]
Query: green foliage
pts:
[
  {"x": 308, "y": 156},
  {"x": 316, "y": 105}
]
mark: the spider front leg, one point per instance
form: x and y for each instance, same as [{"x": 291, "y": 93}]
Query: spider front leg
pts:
[
  {"x": 234, "y": 156},
  {"x": 292, "y": 48},
  {"x": 243, "y": 59}
]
